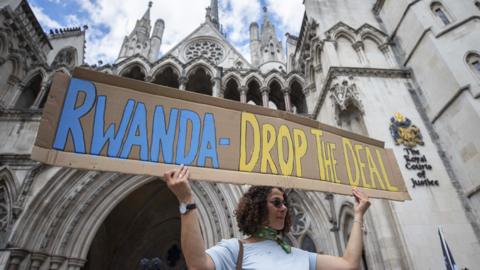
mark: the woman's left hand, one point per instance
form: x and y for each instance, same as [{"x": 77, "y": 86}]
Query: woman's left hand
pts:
[{"x": 361, "y": 202}]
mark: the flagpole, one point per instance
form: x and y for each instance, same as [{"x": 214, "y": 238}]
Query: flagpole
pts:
[{"x": 446, "y": 250}]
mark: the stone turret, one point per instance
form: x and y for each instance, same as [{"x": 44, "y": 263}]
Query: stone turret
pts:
[
  {"x": 156, "y": 40},
  {"x": 139, "y": 41},
  {"x": 254, "y": 44},
  {"x": 264, "y": 45}
]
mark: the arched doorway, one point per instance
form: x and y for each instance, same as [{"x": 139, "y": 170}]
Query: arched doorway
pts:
[
  {"x": 145, "y": 225},
  {"x": 29, "y": 93}
]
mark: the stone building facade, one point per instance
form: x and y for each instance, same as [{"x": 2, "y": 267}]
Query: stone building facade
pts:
[{"x": 353, "y": 65}]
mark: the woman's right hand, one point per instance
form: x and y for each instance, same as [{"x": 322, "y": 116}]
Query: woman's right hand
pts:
[{"x": 177, "y": 182}]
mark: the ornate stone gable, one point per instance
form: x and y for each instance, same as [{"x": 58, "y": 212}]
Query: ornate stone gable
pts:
[
  {"x": 344, "y": 93},
  {"x": 209, "y": 42},
  {"x": 208, "y": 48}
]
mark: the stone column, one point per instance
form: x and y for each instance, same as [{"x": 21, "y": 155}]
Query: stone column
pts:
[
  {"x": 358, "y": 47},
  {"x": 265, "y": 90},
  {"x": 216, "y": 89},
  {"x": 75, "y": 264},
  {"x": 37, "y": 260},
  {"x": 13, "y": 89},
  {"x": 16, "y": 257},
  {"x": 40, "y": 96},
  {"x": 243, "y": 94},
  {"x": 56, "y": 262},
  {"x": 286, "y": 95},
  {"x": 182, "y": 81},
  {"x": 385, "y": 49}
]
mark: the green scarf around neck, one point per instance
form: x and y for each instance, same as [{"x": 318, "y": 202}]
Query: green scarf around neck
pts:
[{"x": 271, "y": 234}]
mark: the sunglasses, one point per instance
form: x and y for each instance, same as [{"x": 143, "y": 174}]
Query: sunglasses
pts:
[{"x": 278, "y": 203}]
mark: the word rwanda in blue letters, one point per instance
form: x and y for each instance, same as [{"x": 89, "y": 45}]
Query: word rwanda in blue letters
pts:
[{"x": 133, "y": 130}]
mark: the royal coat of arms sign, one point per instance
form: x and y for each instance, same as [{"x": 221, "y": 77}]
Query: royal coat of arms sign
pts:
[{"x": 404, "y": 132}]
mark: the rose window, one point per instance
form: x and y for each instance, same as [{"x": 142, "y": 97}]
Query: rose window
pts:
[{"x": 207, "y": 48}]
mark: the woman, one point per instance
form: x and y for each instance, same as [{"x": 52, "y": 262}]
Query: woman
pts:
[{"x": 262, "y": 214}]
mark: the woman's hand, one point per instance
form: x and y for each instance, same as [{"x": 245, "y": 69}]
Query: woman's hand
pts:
[
  {"x": 177, "y": 182},
  {"x": 361, "y": 202}
]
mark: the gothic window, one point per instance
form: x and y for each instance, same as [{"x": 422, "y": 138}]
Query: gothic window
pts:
[
  {"x": 276, "y": 96},
  {"x": 167, "y": 77},
  {"x": 29, "y": 93},
  {"x": 297, "y": 98},
  {"x": 440, "y": 13},
  {"x": 4, "y": 209},
  {"x": 312, "y": 74},
  {"x": 200, "y": 82},
  {"x": 346, "y": 54},
  {"x": 206, "y": 48},
  {"x": 318, "y": 56},
  {"x": 65, "y": 57},
  {"x": 3, "y": 47},
  {"x": 299, "y": 235},
  {"x": 135, "y": 72},
  {"x": 231, "y": 92},
  {"x": 374, "y": 56},
  {"x": 473, "y": 61},
  {"x": 254, "y": 96}
]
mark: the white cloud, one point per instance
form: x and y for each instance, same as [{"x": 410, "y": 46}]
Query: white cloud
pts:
[
  {"x": 119, "y": 17},
  {"x": 236, "y": 16},
  {"x": 110, "y": 21},
  {"x": 44, "y": 19},
  {"x": 289, "y": 14}
]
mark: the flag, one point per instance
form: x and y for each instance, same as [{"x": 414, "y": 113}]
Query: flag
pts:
[{"x": 447, "y": 255}]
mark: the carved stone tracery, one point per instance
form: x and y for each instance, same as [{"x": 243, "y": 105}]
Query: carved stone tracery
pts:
[
  {"x": 301, "y": 222},
  {"x": 207, "y": 48},
  {"x": 344, "y": 94}
]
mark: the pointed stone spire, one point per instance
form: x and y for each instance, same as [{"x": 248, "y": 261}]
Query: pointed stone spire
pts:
[
  {"x": 212, "y": 13},
  {"x": 146, "y": 16},
  {"x": 138, "y": 42},
  {"x": 264, "y": 45},
  {"x": 266, "y": 25},
  {"x": 145, "y": 20}
]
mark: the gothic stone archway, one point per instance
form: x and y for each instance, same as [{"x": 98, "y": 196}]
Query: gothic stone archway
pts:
[{"x": 145, "y": 225}]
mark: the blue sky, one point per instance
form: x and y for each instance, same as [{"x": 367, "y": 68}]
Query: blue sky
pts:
[{"x": 110, "y": 20}]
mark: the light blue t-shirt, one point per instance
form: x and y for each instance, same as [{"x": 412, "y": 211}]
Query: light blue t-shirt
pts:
[{"x": 262, "y": 255}]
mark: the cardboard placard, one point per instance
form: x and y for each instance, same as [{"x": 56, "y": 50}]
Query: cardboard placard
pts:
[{"x": 97, "y": 121}]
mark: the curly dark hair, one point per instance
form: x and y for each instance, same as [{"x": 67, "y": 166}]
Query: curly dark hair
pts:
[{"x": 252, "y": 211}]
